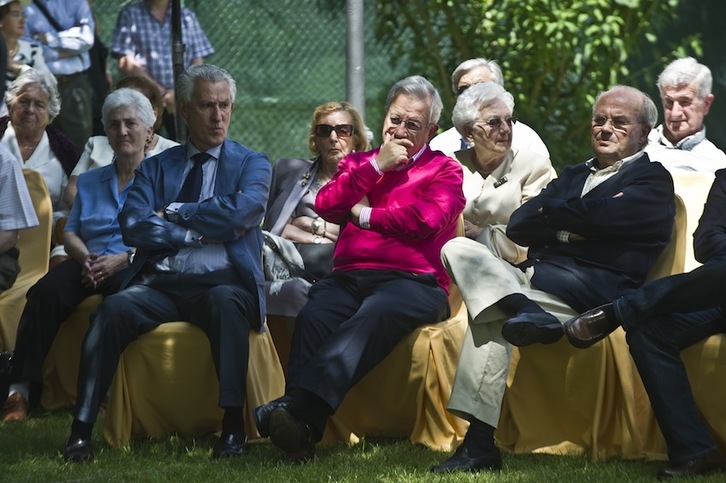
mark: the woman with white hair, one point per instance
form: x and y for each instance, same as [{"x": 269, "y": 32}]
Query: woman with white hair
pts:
[
  {"x": 33, "y": 102},
  {"x": 99, "y": 259},
  {"x": 498, "y": 179}
]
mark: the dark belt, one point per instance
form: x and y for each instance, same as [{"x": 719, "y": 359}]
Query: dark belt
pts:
[{"x": 65, "y": 79}]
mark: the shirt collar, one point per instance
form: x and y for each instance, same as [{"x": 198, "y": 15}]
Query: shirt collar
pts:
[
  {"x": 686, "y": 144},
  {"x": 192, "y": 150},
  {"x": 592, "y": 163},
  {"x": 412, "y": 159}
]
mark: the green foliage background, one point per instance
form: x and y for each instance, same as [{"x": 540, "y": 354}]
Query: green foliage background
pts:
[
  {"x": 289, "y": 56},
  {"x": 556, "y": 55}
]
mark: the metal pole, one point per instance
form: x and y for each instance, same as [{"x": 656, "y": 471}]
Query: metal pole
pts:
[
  {"x": 177, "y": 53},
  {"x": 355, "y": 56}
]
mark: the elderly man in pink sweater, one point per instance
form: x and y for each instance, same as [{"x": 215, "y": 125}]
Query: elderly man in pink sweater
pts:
[{"x": 396, "y": 205}]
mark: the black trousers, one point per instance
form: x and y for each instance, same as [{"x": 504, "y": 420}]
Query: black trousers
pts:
[
  {"x": 216, "y": 302},
  {"x": 662, "y": 318},
  {"x": 352, "y": 321},
  {"x": 50, "y": 301}
]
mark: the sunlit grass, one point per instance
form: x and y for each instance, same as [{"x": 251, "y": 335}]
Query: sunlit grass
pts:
[{"x": 32, "y": 452}]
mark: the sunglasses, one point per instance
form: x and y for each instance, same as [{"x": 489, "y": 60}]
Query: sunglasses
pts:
[
  {"x": 342, "y": 130},
  {"x": 496, "y": 123}
]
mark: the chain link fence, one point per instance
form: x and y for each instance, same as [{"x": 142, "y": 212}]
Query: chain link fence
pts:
[{"x": 287, "y": 57}]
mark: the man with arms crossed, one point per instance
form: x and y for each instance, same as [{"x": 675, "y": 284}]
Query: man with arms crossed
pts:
[{"x": 194, "y": 214}]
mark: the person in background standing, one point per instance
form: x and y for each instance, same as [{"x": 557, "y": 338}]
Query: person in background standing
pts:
[
  {"x": 65, "y": 30},
  {"x": 142, "y": 44}
]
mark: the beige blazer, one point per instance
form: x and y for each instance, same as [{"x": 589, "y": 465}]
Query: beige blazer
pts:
[{"x": 490, "y": 201}]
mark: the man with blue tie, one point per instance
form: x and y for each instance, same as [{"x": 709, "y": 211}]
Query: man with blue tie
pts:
[{"x": 194, "y": 214}]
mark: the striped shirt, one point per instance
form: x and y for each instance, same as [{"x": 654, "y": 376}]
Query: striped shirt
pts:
[{"x": 16, "y": 207}]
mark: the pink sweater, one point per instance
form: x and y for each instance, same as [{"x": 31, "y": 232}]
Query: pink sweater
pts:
[{"x": 414, "y": 212}]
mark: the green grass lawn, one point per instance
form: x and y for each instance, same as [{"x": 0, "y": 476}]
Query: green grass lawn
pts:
[{"x": 32, "y": 452}]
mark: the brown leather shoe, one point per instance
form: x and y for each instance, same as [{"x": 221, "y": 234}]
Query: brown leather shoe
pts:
[
  {"x": 592, "y": 326},
  {"x": 701, "y": 466},
  {"x": 16, "y": 408}
]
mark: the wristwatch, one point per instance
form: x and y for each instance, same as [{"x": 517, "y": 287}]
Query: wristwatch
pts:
[{"x": 317, "y": 240}]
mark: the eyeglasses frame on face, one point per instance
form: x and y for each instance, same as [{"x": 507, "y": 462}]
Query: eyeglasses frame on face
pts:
[
  {"x": 460, "y": 90},
  {"x": 325, "y": 130},
  {"x": 619, "y": 122},
  {"x": 409, "y": 125},
  {"x": 496, "y": 122}
]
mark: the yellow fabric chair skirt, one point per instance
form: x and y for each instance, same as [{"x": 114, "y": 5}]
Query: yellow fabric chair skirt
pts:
[
  {"x": 407, "y": 393},
  {"x": 60, "y": 369},
  {"x": 34, "y": 246},
  {"x": 165, "y": 381},
  {"x": 563, "y": 400}
]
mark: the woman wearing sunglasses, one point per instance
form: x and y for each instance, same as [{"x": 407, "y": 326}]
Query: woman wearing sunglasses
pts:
[
  {"x": 336, "y": 129},
  {"x": 498, "y": 179}
]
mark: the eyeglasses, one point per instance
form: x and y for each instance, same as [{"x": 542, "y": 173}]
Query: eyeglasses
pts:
[
  {"x": 411, "y": 126},
  {"x": 460, "y": 90},
  {"x": 342, "y": 130},
  {"x": 618, "y": 122},
  {"x": 496, "y": 122}
]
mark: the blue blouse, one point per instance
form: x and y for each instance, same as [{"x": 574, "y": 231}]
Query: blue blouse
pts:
[{"x": 94, "y": 216}]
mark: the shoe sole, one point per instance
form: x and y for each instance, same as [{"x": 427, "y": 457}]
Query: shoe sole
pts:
[
  {"x": 287, "y": 434},
  {"x": 523, "y": 334}
]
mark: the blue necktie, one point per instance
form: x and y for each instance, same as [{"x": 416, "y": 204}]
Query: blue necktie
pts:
[{"x": 192, "y": 187}]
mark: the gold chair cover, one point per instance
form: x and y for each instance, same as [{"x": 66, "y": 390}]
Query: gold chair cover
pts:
[
  {"x": 60, "y": 369},
  {"x": 166, "y": 383},
  {"x": 407, "y": 393},
  {"x": 34, "y": 246},
  {"x": 563, "y": 400}
]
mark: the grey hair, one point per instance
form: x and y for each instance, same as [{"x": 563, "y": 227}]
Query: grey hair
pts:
[
  {"x": 420, "y": 88},
  {"x": 686, "y": 71},
  {"x": 470, "y": 103},
  {"x": 126, "y": 97},
  {"x": 45, "y": 81},
  {"x": 648, "y": 113},
  {"x": 472, "y": 64},
  {"x": 207, "y": 72}
]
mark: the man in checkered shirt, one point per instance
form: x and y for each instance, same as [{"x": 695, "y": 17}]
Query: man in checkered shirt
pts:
[{"x": 142, "y": 44}]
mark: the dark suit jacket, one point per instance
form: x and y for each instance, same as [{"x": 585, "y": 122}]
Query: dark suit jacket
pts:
[
  {"x": 238, "y": 204},
  {"x": 710, "y": 237},
  {"x": 626, "y": 222},
  {"x": 286, "y": 191}
]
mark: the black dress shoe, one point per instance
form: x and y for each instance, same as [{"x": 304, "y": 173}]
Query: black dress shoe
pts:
[
  {"x": 262, "y": 413},
  {"x": 294, "y": 437},
  {"x": 78, "y": 450},
  {"x": 461, "y": 461},
  {"x": 701, "y": 466},
  {"x": 230, "y": 444},
  {"x": 530, "y": 328},
  {"x": 592, "y": 326}
]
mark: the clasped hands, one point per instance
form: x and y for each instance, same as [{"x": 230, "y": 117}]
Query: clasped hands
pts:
[{"x": 98, "y": 268}]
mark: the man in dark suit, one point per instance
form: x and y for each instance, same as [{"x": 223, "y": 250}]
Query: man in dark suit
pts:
[
  {"x": 593, "y": 232},
  {"x": 194, "y": 213},
  {"x": 662, "y": 318}
]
